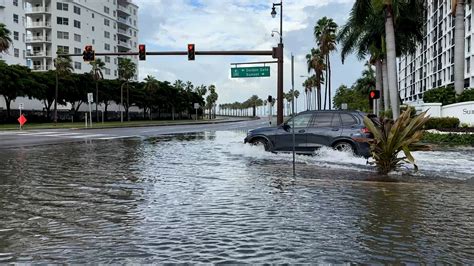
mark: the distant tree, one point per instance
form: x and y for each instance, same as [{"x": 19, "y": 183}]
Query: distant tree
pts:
[
  {"x": 211, "y": 99},
  {"x": 127, "y": 69},
  {"x": 5, "y": 39},
  {"x": 13, "y": 81}
]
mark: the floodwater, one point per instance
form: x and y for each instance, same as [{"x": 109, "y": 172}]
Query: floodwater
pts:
[{"x": 207, "y": 198}]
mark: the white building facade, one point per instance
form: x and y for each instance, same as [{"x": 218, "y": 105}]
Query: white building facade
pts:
[
  {"x": 432, "y": 65},
  {"x": 42, "y": 27}
]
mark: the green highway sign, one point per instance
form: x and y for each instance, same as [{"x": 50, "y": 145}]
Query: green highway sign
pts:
[{"x": 250, "y": 72}]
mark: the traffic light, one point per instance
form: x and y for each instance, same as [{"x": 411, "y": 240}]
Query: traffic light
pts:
[
  {"x": 141, "y": 52},
  {"x": 374, "y": 94},
  {"x": 89, "y": 54},
  {"x": 270, "y": 99},
  {"x": 191, "y": 52}
]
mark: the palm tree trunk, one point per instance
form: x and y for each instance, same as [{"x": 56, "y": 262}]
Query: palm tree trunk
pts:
[
  {"x": 325, "y": 85},
  {"x": 378, "y": 83},
  {"x": 329, "y": 80},
  {"x": 56, "y": 97},
  {"x": 386, "y": 97},
  {"x": 392, "y": 63},
  {"x": 459, "y": 55}
]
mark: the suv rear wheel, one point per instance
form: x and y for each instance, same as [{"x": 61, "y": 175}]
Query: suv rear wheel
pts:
[{"x": 344, "y": 146}]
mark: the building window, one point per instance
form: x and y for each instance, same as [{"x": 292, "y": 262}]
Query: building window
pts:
[
  {"x": 77, "y": 37},
  {"x": 62, "y": 21},
  {"x": 16, "y": 35},
  {"x": 93, "y": 28},
  {"x": 134, "y": 12},
  {"x": 107, "y": 47},
  {"x": 77, "y": 10},
  {"x": 115, "y": 13},
  {"x": 468, "y": 39},
  {"x": 16, "y": 52},
  {"x": 107, "y": 71},
  {"x": 107, "y": 59},
  {"x": 15, "y": 2},
  {"x": 115, "y": 72},
  {"x": 468, "y": 65},
  {"x": 93, "y": 41},
  {"x": 107, "y": 34},
  {"x": 134, "y": 23},
  {"x": 106, "y": 10},
  {"x": 63, "y": 35},
  {"x": 115, "y": 37},
  {"x": 115, "y": 25},
  {"x": 134, "y": 34},
  {"x": 77, "y": 24},
  {"x": 106, "y": 22},
  {"x": 15, "y": 18},
  {"x": 92, "y": 15},
  {"x": 77, "y": 51},
  {"x": 62, "y": 6},
  {"x": 63, "y": 49},
  {"x": 77, "y": 65}
]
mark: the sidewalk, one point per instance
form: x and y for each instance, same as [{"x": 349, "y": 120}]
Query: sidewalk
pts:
[{"x": 117, "y": 124}]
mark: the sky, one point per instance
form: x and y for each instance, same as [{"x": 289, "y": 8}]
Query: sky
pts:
[{"x": 169, "y": 25}]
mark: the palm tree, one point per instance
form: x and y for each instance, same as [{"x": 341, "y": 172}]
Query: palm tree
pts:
[
  {"x": 297, "y": 94},
  {"x": 151, "y": 86},
  {"x": 127, "y": 70},
  {"x": 211, "y": 99},
  {"x": 459, "y": 33},
  {"x": 5, "y": 40},
  {"x": 315, "y": 61},
  {"x": 63, "y": 66},
  {"x": 97, "y": 67},
  {"x": 325, "y": 35},
  {"x": 370, "y": 30},
  {"x": 308, "y": 88}
]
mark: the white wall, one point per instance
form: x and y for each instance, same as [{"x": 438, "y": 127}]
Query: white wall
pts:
[{"x": 464, "y": 111}]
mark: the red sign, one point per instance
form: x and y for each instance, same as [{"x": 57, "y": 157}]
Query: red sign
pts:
[{"x": 22, "y": 120}]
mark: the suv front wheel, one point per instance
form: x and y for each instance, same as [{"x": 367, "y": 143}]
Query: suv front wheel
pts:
[{"x": 261, "y": 142}]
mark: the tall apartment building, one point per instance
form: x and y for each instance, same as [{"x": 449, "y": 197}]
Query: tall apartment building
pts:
[
  {"x": 432, "y": 65},
  {"x": 39, "y": 28},
  {"x": 12, "y": 14},
  {"x": 69, "y": 25}
]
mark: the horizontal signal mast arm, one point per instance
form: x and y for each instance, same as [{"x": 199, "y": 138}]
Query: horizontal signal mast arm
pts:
[{"x": 263, "y": 52}]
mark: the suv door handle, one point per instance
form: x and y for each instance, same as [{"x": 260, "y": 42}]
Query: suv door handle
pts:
[{"x": 301, "y": 131}]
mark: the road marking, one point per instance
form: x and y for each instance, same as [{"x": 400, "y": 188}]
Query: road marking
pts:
[{"x": 87, "y": 136}]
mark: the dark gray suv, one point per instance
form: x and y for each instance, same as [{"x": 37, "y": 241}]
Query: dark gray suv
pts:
[{"x": 342, "y": 130}]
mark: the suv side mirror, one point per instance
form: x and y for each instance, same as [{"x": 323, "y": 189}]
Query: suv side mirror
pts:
[{"x": 286, "y": 127}]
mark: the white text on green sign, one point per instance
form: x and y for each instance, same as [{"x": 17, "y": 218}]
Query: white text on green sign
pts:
[{"x": 250, "y": 72}]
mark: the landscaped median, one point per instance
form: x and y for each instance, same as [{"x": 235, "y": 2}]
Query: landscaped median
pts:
[
  {"x": 116, "y": 124},
  {"x": 453, "y": 138}
]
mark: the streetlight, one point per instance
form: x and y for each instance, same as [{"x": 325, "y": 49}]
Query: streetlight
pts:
[{"x": 280, "y": 63}]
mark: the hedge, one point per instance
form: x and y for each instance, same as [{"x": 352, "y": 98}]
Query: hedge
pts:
[
  {"x": 448, "y": 139},
  {"x": 442, "y": 122}
]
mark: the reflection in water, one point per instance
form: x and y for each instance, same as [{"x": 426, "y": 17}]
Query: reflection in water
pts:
[{"x": 208, "y": 198}]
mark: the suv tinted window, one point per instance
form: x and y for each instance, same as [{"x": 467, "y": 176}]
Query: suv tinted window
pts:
[
  {"x": 300, "y": 120},
  {"x": 322, "y": 120},
  {"x": 348, "y": 120}
]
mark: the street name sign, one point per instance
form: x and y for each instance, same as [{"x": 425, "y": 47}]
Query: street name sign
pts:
[
  {"x": 250, "y": 72},
  {"x": 196, "y": 106}
]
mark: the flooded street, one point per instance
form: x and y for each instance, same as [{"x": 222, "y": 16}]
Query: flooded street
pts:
[{"x": 207, "y": 197}]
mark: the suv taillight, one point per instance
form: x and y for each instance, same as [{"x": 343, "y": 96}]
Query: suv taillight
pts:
[{"x": 365, "y": 130}]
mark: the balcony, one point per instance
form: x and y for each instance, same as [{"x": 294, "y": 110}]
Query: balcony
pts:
[
  {"x": 123, "y": 21},
  {"x": 124, "y": 44},
  {"x": 42, "y": 67},
  {"x": 38, "y": 24},
  {"x": 124, "y": 10},
  {"x": 38, "y": 39},
  {"x": 2, "y": 3},
  {"x": 124, "y": 33},
  {"x": 39, "y": 54},
  {"x": 37, "y": 10}
]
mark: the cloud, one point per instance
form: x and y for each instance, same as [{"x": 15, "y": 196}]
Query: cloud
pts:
[{"x": 235, "y": 25}]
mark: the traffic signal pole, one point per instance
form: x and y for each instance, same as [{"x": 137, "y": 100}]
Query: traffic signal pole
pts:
[{"x": 276, "y": 53}]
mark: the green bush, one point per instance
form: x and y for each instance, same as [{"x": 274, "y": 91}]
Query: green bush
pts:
[
  {"x": 448, "y": 139},
  {"x": 444, "y": 95},
  {"x": 466, "y": 95},
  {"x": 442, "y": 122}
]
